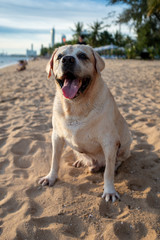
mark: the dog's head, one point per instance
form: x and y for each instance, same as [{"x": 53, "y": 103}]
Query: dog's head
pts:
[{"x": 74, "y": 68}]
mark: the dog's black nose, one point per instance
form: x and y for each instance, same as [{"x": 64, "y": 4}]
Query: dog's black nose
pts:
[{"x": 68, "y": 60}]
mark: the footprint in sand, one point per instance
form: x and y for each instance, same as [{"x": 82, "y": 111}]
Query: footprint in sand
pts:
[
  {"x": 144, "y": 146},
  {"x": 3, "y": 165},
  {"x": 4, "y": 133},
  {"x": 5, "y": 108},
  {"x": 124, "y": 230},
  {"x": 153, "y": 200},
  {"x": 38, "y": 228},
  {"x": 18, "y": 173},
  {"x": 17, "y": 128},
  {"x": 95, "y": 178},
  {"x": 3, "y": 193},
  {"x": 3, "y": 117},
  {"x": 38, "y": 137},
  {"x": 22, "y": 162},
  {"x": 3, "y": 141},
  {"x": 10, "y": 206},
  {"x": 28, "y": 230},
  {"x": 34, "y": 191},
  {"x": 74, "y": 172},
  {"x": 137, "y": 184},
  {"x": 21, "y": 147},
  {"x": 130, "y": 117},
  {"x": 42, "y": 128},
  {"x": 108, "y": 210},
  {"x": 86, "y": 187},
  {"x": 40, "y": 118},
  {"x": 143, "y": 119},
  {"x": 138, "y": 134},
  {"x": 69, "y": 225},
  {"x": 33, "y": 209},
  {"x": 150, "y": 124}
]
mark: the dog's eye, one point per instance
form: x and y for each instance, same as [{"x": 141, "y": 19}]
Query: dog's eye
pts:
[
  {"x": 82, "y": 56},
  {"x": 59, "y": 56}
]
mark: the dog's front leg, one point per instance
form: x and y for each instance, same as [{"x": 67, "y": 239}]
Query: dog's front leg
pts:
[
  {"x": 110, "y": 148},
  {"x": 57, "y": 147}
]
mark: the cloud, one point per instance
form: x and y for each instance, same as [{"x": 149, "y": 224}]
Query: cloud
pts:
[
  {"x": 29, "y": 14},
  {"x": 31, "y": 20},
  {"x": 12, "y": 30}
]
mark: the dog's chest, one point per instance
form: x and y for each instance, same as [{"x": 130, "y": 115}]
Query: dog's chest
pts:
[{"x": 78, "y": 135}]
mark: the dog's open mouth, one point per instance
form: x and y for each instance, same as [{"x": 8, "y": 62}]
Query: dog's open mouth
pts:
[{"x": 72, "y": 85}]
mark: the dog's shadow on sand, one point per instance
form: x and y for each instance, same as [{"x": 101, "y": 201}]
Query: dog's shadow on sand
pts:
[
  {"x": 67, "y": 225},
  {"x": 139, "y": 174}
]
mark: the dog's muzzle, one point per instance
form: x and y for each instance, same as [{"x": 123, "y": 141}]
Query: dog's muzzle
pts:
[
  {"x": 68, "y": 63},
  {"x": 73, "y": 85}
]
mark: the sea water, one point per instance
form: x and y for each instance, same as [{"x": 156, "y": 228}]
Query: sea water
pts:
[{"x": 6, "y": 60}]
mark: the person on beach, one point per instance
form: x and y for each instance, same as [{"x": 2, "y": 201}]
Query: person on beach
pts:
[
  {"x": 81, "y": 40},
  {"x": 21, "y": 65}
]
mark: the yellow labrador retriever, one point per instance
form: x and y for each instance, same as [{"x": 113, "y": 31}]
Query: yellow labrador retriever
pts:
[{"x": 85, "y": 115}]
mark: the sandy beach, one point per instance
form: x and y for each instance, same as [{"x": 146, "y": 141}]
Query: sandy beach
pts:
[{"x": 73, "y": 207}]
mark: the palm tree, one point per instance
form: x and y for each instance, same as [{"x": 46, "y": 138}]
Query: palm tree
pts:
[
  {"x": 119, "y": 39},
  {"x": 78, "y": 30},
  {"x": 95, "y": 29}
]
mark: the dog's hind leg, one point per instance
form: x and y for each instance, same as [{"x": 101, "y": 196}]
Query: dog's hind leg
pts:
[{"x": 82, "y": 160}]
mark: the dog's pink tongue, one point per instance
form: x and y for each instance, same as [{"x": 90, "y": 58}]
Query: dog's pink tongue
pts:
[{"x": 70, "y": 88}]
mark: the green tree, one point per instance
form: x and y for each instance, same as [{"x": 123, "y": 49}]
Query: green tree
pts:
[
  {"x": 119, "y": 39},
  {"x": 148, "y": 35},
  {"x": 154, "y": 8},
  {"x": 44, "y": 51},
  {"x": 105, "y": 38},
  {"x": 144, "y": 15},
  {"x": 129, "y": 41},
  {"x": 95, "y": 31},
  {"x": 135, "y": 13},
  {"x": 77, "y": 30}
]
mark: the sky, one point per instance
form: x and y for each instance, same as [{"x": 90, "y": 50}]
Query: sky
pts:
[{"x": 23, "y": 23}]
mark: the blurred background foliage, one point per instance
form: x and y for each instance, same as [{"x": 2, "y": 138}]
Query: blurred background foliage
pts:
[{"x": 141, "y": 15}]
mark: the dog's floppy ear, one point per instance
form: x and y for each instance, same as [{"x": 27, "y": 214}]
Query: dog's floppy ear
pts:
[
  {"x": 49, "y": 67},
  {"x": 99, "y": 63}
]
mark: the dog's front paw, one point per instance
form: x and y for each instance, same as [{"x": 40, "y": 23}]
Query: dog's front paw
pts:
[
  {"x": 47, "y": 180},
  {"x": 110, "y": 196}
]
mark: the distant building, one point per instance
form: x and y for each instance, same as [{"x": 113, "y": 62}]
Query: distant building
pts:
[
  {"x": 31, "y": 53},
  {"x": 63, "y": 38},
  {"x": 52, "y": 36}
]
